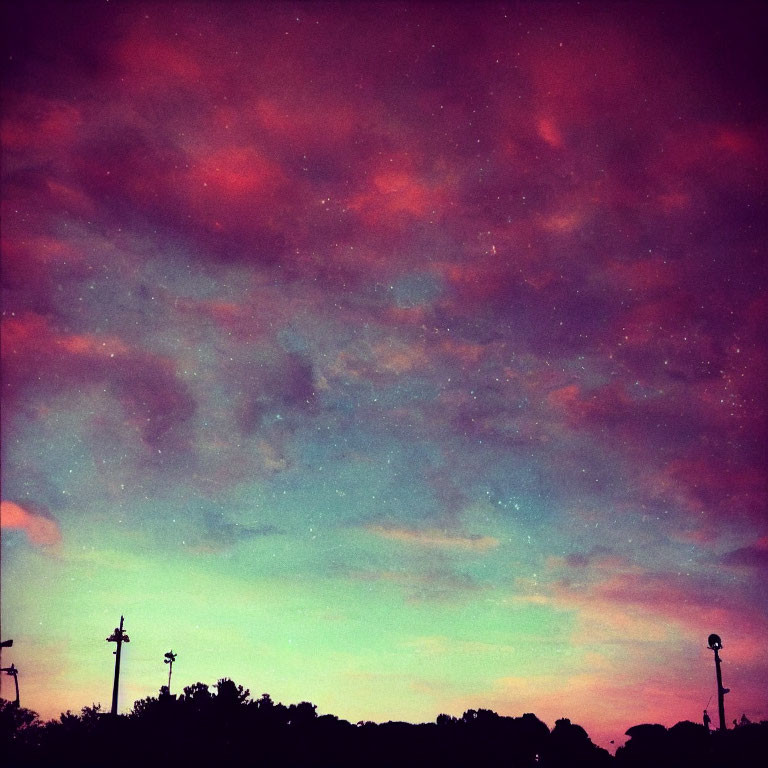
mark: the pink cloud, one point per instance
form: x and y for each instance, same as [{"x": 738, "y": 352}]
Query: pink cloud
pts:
[
  {"x": 41, "y": 530},
  {"x": 434, "y": 538}
]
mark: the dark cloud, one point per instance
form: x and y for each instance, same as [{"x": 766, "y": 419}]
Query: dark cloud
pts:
[
  {"x": 597, "y": 556},
  {"x": 217, "y": 533},
  {"x": 40, "y": 362},
  {"x": 747, "y": 557},
  {"x": 276, "y": 387}
]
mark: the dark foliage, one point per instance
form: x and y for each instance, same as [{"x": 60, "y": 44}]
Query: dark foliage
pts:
[
  {"x": 692, "y": 744},
  {"x": 226, "y": 725}
]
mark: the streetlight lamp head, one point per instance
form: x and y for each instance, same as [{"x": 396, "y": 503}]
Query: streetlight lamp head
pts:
[{"x": 715, "y": 643}]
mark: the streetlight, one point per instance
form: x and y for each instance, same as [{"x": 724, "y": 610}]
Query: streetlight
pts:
[
  {"x": 119, "y": 637},
  {"x": 715, "y": 644},
  {"x": 15, "y": 672},
  {"x": 170, "y": 657},
  {"x": 4, "y": 644}
]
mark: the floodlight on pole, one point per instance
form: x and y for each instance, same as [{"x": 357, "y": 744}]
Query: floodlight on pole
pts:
[
  {"x": 119, "y": 637},
  {"x": 715, "y": 644},
  {"x": 170, "y": 657},
  {"x": 12, "y": 670}
]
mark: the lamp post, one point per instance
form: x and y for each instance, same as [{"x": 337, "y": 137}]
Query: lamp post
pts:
[
  {"x": 4, "y": 644},
  {"x": 15, "y": 672},
  {"x": 119, "y": 637},
  {"x": 170, "y": 657},
  {"x": 715, "y": 644}
]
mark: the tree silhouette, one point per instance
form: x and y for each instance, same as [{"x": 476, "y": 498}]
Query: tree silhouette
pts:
[
  {"x": 19, "y": 729},
  {"x": 223, "y": 725}
]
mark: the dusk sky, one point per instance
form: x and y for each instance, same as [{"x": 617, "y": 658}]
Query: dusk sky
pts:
[{"x": 401, "y": 357}]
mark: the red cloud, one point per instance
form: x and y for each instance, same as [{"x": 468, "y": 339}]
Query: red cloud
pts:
[
  {"x": 234, "y": 172},
  {"x": 41, "y": 126},
  {"x": 548, "y": 131},
  {"x": 708, "y": 484},
  {"x": 41, "y": 530},
  {"x": 314, "y": 119},
  {"x": 711, "y": 148},
  {"x": 153, "y": 62},
  {"x": 649, "y": 274},
  {"x": 395, "y": 193}
]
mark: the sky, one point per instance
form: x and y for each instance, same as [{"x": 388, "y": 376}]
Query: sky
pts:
[{"x": 403, "y": 358}]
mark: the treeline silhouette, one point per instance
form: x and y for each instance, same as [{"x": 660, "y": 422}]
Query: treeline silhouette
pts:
[{"x": 226, "y": 725}]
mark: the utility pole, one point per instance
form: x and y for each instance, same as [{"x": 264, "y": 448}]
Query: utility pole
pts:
[
  {"x": 170, "y": 657},
  {"x": 15, "y": 672},
  {"x": 119, "y": 637},
  {"x": 715, "y": 644}
]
